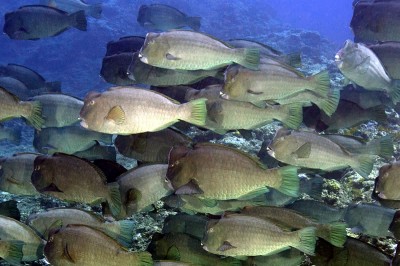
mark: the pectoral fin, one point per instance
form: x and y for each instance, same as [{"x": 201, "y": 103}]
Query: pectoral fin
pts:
[
  {"x": 226, "y": 246},
  {"x": 50, "y": 188},
  {"x": 117, "y": 115},
  {"x": 304, "y": 151},
  {"x": 171, "y": 57},
  {"x": 254, "y": 92},
  {"x": 192, "y": 187},
  {"x": 67, "y": 254},
  {"x": 173, "y": 254}
]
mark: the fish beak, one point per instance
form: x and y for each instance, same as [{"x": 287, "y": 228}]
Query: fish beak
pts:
[
  {"x": 270, "y": 152},
  {"x": 84, "y": 124},
  {"x": 337, "y": 58},
  {"x": 143, "y": 58},
  {"x": 224, "y": 96}
]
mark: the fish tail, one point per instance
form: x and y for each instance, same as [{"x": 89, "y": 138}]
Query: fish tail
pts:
[
  {"x": 364, "y": 165},
  {"x": 144, "y": 258},
  {"x": 13, "y": 254},
  {"x": 121, "y": 231},
  {"x": 95, "y": 10},
  {"x": 197, "y": 112},
  {"x": 379, "y": 114},
  {"x": 106, "y": 138},
  {"x": 114, "y": 199},
  {"x": 250, "y": 59},
  {"x": 395, "y": 91},
  {"x": 330, "y": 104},
  {"x": 335, "y": 233},
  {"x": 10, "y": 209},
  {"x": 290, "y": 183},
  {"x": 307, "y": 240},
  {"x": 294, "y": 117},
  {"x": 321, "y": 82},
  {"x": 383, "y": 147},
  {"x": 293, "y": 59},
  {"x": 194, "y": 23},
  {"x": 79, "y": 20},
  {"x": 35, "y": 115}
]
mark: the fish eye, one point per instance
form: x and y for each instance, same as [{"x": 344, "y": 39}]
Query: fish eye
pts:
[
  {"x": 51, "y": 239},
  {"x": 92, "y": 102}
]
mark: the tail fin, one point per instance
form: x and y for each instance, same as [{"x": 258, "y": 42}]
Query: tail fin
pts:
[
  {"x": 335, "y": 233},
  {"x": 143, "y": 258},
  {"x": 293, "y": 59},
  {"x": 307, "y": 240},
  {"x": 95, "y": 11},
  {"x": 379, "y": 114},
  {"x": 382, "y": 147},
  {"x": 294, "y": 117},
  {"x": 198, "y": 112},
  {"x": 330, "y": 104},
  {"x": 251, "y": 58},
  {"x": 114, "y": 199},
  {"x": 395, "y": 91},
  {"x": 290, "y": 183},
  {"x": 35, "y": 117},
  {"x": 79, "y": 20},
  {"x": 194, "y": 23},
  {"x": 13, "y": 254},
  {"x": 364, "y": 166},
  {"x": 9, "y": 208},
  {"x": 121, "y": 230},
  {"x": 322, "y": 82}
]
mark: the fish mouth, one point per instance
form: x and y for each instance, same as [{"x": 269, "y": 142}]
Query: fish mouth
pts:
[
  {"x": 271, "y": 152},
  {"x": 338, "y": 58},
  {"x": 224, "y": 95},
  {"x": 84, "y": 124},
  {"x": 143, "y": 58}
]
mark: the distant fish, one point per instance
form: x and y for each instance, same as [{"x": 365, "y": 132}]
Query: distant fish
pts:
[
  {"x": 11, "y": 134},
  {"x": 36, "y": 22},
  {"x": 163, "y": 17},
  {"x": 72, "y": 6},
  {"x": 189, "y": 50}
]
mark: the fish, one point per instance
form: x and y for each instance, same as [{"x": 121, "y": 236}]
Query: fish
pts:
[
  {"x": 319, "y": 211},
  {"x": 35, "y": 22},
  {"x": 111, "y": 169},
  {"x": 271, "y": 82},
  {"x": 70, "y": 139},
  {"x": 11, "y": 251},
  {"x": 112, "y": 111},
  {"x": 292, "y": 59},
  {"x": 192, "y": 225},
  {"x": 12, "y": 107},
  {"x": 98, "y": 151},
  {"x": 13, "y": 230},
  {"x": 142, "y": 73},
  {"x": 35, "y": 82},
  {"x": 355, "y": 253},
  {"x": 158, "y": 17},
  {"x": 10, "y": 209},
  {"x": 85, "y": 246},
  {"x": 388, "y": 54},
  {"x": 224, "y": 115},
  {"x": 375, "y": 21},
  {"x": 114, "y": 69},
  {"x": 178, "y": 93},
  {"x": 216, "y": 172},
  {"x": 188, "y": 50},
  {"x": 71, "y": 6},
  {"x": 311, "y": 150},
  {"x": 15, "y": 172},
  {"x": 192, "y": 204},
  {"x": 59, "y": 110},
  {"x": 349, "y": 114},
  {"x": 151, "y": 147},
  {"x": 15, "y": 87},
  {"x": 241, "y": 235},
  {"x": 289, "y": 257},
  {"x": 370, "y": 219},
  {"x": 386, "y": 183},
  {"x": 60, "y": 176},
  {"x": 361, "y": 66},
  {"x": 127, "y": 44},
  {"x": 184, "y": 248},
  {"x": 287, "y": 219},
  {"x": 382, "y": 146},
  {"x": 47, "y": 221},
  {"x": 13, "y": 135},
  {"x": 141, "y": 187},
  {"x": 364, "y": 99},
  {"x": 171, "y": 263}
]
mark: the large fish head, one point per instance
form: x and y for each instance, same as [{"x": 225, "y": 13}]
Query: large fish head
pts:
[
  {"x": 154, "y": 49},
  {"x": 159, "y": 246},
  {"x": 55, "y": 247},
  {"x": 233, "y": 88},
  {"x": 212, "y": 238},
  {"x": 94, "y": 112},
  {"x": 135, "y": 62},
  {"x": 114, "y": 68},
  {"x": 43, "y": 173},
  {"x": 381, "y": 181},
  {"x": 347, "y": 57},
  {"x": 279, "y": 146},
  {"x": 178, "y": 167},
  {"x": 14, "y": 26}
]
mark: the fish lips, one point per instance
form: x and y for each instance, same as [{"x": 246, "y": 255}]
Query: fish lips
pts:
[
  {"x": 143, "y": 58},
  {"x": 83, "y": 123}
]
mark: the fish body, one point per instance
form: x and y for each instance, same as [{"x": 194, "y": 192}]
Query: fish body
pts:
[
  {"x": 15, "y": 174},
  {"x": 193, "y": 225},
  {"x": 72, "y": 6},
  {"x": 13, "y": 230},
  {"x": 219, "y": 172},
  {"x": 271, "y": 82},
  {"x": 36, "y": 22},
  {"x": 163, "y": 17},
  {"x": 151, "y": 147},
  {"x": 388, "y": 54},
  {"x": 125, "y": 110},
  {"x": 318, "y": 211},
  {"x": 59, "y": 110},
  {"x": 70, "y": 178},
  {"x": 127, "y": 44},
  {"x": 98, "y": 151},
  {"x": 71, "y": 139},
  {"x": 188, "y": 50},
  {"x": 290, "y": 257},
  {"x": 241, "y": 235},
  {"x": 81, "y": 245},
  {"x": 310, "y": 150}
]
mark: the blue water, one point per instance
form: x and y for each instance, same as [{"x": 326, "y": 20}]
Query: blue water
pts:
[{"x": 74, "y": 57}]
